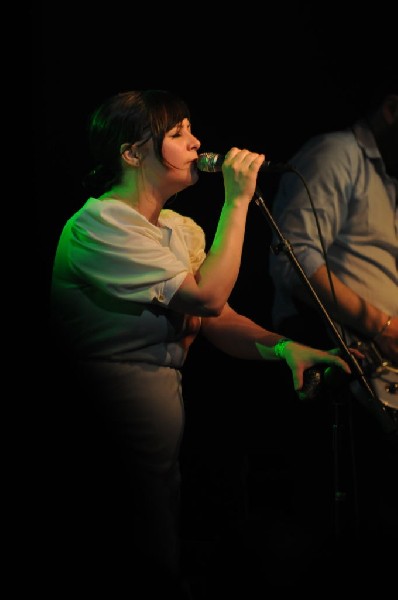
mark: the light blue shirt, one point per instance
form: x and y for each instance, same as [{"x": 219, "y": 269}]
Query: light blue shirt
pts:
[{"x": 356, "y": 204}]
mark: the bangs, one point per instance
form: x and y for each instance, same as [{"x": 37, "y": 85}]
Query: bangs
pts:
[{"x": 165, "y": 110}]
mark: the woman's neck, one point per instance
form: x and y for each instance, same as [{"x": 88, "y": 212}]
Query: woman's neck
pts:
[{"x": 148, "y": 207}]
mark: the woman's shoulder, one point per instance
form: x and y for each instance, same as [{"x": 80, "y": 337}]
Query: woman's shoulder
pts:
[
  {"x": 111, "y": 211},
  {"x": 192, "y": 233},
  {"x": 172, "y": 218}
]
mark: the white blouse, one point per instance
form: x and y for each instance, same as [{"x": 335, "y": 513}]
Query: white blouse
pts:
[{"x": 114, "y": 274}]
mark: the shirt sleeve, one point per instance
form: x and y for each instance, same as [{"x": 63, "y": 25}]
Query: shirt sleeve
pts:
[
  {"x": 193, "y": 236},
  {"x": 322, "y": 185},
  {"x": 122, "y": 254}
]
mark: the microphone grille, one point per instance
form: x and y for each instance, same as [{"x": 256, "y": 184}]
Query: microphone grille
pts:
[{"x": 209, "y": 162}]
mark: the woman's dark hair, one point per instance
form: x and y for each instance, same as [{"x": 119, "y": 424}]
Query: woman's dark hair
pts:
[{"x": 128, "y": 118}]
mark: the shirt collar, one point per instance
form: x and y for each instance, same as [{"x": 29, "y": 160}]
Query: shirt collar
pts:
[{"x": 366, "y": 139}]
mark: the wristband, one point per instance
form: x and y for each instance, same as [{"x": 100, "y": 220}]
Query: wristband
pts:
[
  {"x": 279, "y": 347},
  {"x": 382, "y": 330}
]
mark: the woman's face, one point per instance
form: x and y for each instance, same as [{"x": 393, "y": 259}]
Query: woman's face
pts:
[
  {"x": 180, "y": 146},
  {"x": 180, "y": 152}
]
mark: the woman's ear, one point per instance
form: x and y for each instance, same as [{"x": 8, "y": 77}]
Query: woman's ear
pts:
[{"x": 130, "y": 154}]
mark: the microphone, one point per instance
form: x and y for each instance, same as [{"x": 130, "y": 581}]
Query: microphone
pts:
[
  {"x": 317, "y": 378},
  {"x": 211, "y": 162}
]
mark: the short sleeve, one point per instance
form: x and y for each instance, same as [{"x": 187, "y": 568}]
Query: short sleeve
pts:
[{"x": 193, "y": 234}]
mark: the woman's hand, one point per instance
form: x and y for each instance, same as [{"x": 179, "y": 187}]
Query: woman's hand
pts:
[
  {"x": 240, "y": 169},
  {"x": 300, "y": 357}
]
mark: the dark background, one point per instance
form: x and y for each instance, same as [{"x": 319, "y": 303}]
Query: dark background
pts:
[{"x": 259, "y": 77}]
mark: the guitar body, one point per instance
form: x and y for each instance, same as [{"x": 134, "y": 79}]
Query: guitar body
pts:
[{"x": 382, "y": 376}]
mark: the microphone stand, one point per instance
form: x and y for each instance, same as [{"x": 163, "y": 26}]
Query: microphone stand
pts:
[{"x": 357, "y": 373}]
